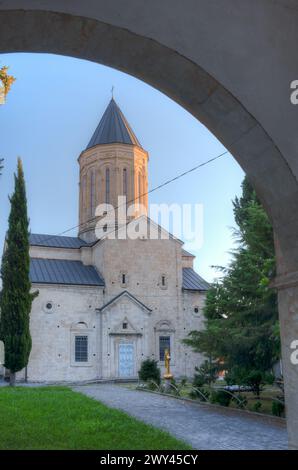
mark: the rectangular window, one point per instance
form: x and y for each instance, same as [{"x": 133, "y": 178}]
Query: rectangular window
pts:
[
  {"x": 81, "y": 348},
  {"x": 164, "y": 343}
]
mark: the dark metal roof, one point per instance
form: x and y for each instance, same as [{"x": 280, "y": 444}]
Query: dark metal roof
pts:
[
  {"x": 55, "y": 241},
  {"x": 125, "y": 293},
  {"x": 113, "y": 128},
  {"x": 192, "y": 281},
  {"x": 59, "y": 271}
]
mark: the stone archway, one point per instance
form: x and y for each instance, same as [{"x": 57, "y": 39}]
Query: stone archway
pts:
[{"x": 230, "y": 64}]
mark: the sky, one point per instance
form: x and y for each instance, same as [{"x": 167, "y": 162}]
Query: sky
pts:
[{"x": 49, "y": 117}]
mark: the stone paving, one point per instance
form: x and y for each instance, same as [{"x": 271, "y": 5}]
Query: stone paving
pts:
[{"x": 203, "y": 427}]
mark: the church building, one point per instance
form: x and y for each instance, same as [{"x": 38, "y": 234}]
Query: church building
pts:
[{"x": 105, "y": 303}]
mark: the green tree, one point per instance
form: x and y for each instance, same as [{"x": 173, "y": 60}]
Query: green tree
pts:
[
  {"x": 241, "y": 309},
  {"x": 16, "y": 296},
  {"x": 149, "y": 371},
  {"x": 206, "y": 374}
]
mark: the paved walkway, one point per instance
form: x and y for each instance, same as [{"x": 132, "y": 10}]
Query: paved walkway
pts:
[{"x": 199, "y": 425}]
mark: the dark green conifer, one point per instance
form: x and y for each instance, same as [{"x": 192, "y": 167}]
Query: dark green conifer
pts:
[{"x": 16, "y": 296}]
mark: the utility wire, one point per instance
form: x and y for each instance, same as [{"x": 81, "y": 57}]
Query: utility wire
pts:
[{"x": 165, "y": 183}]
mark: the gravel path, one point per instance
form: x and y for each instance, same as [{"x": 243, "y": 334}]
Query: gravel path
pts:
[{"x": 201, "y": 426}]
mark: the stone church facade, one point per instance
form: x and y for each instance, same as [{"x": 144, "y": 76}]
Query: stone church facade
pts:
[{"x": 105, "y": 304}]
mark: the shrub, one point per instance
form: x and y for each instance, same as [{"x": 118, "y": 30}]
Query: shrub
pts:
[
  {"x": 153, "y": 386},
  {"x": 199, "y": 393},
  {"x": 174, "y": 388},
  {"x": 198, "y": 381},
  {"x": 183, "y": 381},
  {"x": 254, "y": 379},
  {"x": 205, "y": 374},
  {"x": 269, "y": 378},
  {"x": 240, "y": 400},
  {"x": 149, "y": 371},
  {"x": 220, "y": 397},
  {"x": 277, "y": 408},
  {"x": 257, "y": 406}
]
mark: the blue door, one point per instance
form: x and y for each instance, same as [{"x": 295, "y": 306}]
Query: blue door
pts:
[{"x": 126, "y": 360}]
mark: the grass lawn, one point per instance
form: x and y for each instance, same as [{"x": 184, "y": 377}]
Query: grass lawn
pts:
[{"x": 58, "y": 418}]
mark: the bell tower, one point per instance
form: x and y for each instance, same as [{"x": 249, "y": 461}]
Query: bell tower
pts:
[{"x": 114, "y": 164}]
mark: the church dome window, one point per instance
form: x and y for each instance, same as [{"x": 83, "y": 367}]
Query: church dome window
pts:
[
  {"x": 107, "y": 189},
  {"x": 163, "y": 281}
]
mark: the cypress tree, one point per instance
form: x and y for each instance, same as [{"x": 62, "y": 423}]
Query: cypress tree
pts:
[{"x": 16, "y": 296}]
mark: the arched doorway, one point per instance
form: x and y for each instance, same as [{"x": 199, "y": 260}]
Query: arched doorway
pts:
[{"x": 206, "y": 60}]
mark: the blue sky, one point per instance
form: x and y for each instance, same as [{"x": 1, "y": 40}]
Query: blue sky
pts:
[{"x": 49, "y": 117}]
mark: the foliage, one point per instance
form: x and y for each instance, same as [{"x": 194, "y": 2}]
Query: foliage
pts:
[
  {"x": 149, "y": 371},
  {"x": 242, "y": 328},
  {"x": 240, "y": 400},
  {"x": 254, "y": 379},
  {"x": 16, "y": 298},
  {"x": 277, "y": 408},
  {"x": 205, "y": 374},
  {"x": 220, "y": 397},
  {"x": 269, "y": 378},
  {"x": 57, "y": 418},
  {"x": 257, "y": 406},
  {"x": 201, "y": 393},
  {"x": 6, "y": 79}
]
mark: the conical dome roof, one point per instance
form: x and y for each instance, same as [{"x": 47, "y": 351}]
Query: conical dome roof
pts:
[{"x": 113, "y": 128}]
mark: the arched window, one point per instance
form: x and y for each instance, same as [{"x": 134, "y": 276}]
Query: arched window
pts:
[
  {"x": 165, "y": 339},
  {"x": 107, "y": 186},
  {"x": 83, "y": 196},
  {"x": 125, "y": 183},
  {"x": 140, "y": 188},
  {"x": 92, "y": 193}
]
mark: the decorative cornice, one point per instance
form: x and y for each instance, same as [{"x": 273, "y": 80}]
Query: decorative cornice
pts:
[{"x": 125, "y": 333}]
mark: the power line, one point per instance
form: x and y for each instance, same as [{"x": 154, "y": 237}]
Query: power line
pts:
[{"x": 162, "y": 185}]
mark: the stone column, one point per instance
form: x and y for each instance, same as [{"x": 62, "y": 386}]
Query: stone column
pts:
[{"x": 287, "y": 285}]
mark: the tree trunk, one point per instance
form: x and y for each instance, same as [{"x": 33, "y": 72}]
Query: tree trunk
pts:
[{"x": 12, "y": 379}]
